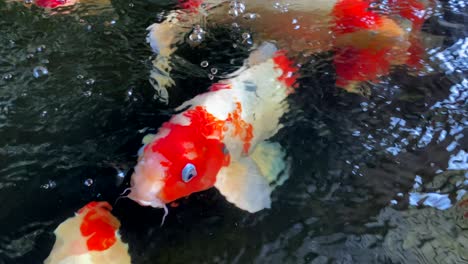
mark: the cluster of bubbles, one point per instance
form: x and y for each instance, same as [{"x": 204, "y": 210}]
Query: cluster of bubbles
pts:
[
  {"x": 49, "y": 185},
  {"x": 236, "y": 8},
  {"x": 213, "y": 71},
  {"x": 197, "y": 35},
  {"x": 281, "y": 7},
  {"x": 39, "y": 71}
]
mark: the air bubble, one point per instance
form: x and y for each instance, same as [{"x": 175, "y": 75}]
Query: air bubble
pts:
[
  {"x": 204, "y": 64},
  {"x": 89, "y": 82},
  {"x": 30, "y": 56},
  {"x": 7, "y": 76},
  {"x": 88, "y": 93},
  {"x": 120, "y": 174},
  {"x": 236, "y": 8},
  {"x": 210, "y": 76},
  {"x": 80, "y": 77},
  {"x": 41, "y": 48},
  {"x": 49, "y": 185},
  {"x": 197, "y": 35},
  {"x": 88, "y": 182},
  {"x": 214, "y": 70},
  {"x": 28, "y": 2},
  {"x": 245, "y": 36},
  {"x": 250, "y": 16},
  {"x": 40, "y": 71}
]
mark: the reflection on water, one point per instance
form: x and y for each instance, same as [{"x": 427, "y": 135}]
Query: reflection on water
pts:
[{"x": 374, "y": 180}]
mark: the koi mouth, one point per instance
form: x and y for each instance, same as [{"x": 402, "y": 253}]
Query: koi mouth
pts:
[{"x": 155, "y": 203}]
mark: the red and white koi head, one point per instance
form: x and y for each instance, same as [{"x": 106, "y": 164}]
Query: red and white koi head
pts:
[{"x": 185, "y": 157}]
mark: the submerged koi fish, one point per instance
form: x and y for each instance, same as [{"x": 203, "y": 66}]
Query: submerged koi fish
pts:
[
  {"x": 53, "y": 4},
  {"x": 90, "y": 237},
  {"x": 220, "y": 140},
  {"x": 367, "y": 42}
]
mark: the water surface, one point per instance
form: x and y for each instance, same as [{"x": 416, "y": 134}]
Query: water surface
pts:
[{"x": 374, "y": 180}]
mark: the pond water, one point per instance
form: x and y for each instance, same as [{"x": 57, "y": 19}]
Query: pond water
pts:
[{"x": 373, "y": 180}]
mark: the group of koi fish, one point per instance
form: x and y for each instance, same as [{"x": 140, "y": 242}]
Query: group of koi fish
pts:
[{"x": 221, "y": 138}]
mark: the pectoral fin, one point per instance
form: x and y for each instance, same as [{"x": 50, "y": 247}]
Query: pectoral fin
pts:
[
  {"x": 271, "y": 160},
  {"x": 243, "y": 185}
]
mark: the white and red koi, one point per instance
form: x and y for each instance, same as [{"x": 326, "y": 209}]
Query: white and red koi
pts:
[
  {"x": 55, "y": 4},
  {"x": 219, "y": 140},
  {"x": 366, "y": 42},
  {"x": 90, "y": 237}
]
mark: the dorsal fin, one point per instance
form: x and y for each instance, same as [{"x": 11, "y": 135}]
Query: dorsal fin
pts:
[{"x": 263, "y": 53}]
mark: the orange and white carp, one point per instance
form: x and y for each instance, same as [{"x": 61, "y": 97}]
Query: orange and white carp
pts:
[
  {"x": 220, "y": 139},
  {"x": 90, "y": 237},
  {"x": 367, "y": 37}
]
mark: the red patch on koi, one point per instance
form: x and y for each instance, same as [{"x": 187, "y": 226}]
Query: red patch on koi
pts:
[
  {"x": 413, "y": 10},
  {"x": 50, "y": 3},
  {"x": 242, "y": 129},
  {"x": 220, "y": 86},
  {"x": 416, "y": 53},
  {"x": 352, "y": 64},
  {"x": 199, "y": 142},
  {"x": 205, "y": 132},
  {"x": 354, "y": 15},
  {"x": 463, "y": 204},
  {"x": 191, "y": 5},
  {"x": 98, "y": 226},
  {"x": 288, "y": 77}
]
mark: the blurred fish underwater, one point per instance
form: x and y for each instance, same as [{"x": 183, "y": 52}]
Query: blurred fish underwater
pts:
[{"x": 381, "y": 178}]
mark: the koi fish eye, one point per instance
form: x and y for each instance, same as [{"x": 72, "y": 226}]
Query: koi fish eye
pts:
[{"x": 189, "y": 172}]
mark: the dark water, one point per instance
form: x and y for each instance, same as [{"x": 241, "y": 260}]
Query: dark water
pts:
[{"x": 374, "y": 180}]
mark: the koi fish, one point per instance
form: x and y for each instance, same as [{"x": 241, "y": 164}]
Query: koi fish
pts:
[
  {"x": 361, "y": 58},
  {"x": 90, "y": 237},
  {"x": 53, "y": 4},
  {"x": 366, "y": 42},
  {"x": 220, "y": 139}
]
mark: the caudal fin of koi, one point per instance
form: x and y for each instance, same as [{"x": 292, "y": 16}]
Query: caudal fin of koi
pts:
[{"x": 91, "y": 236}]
